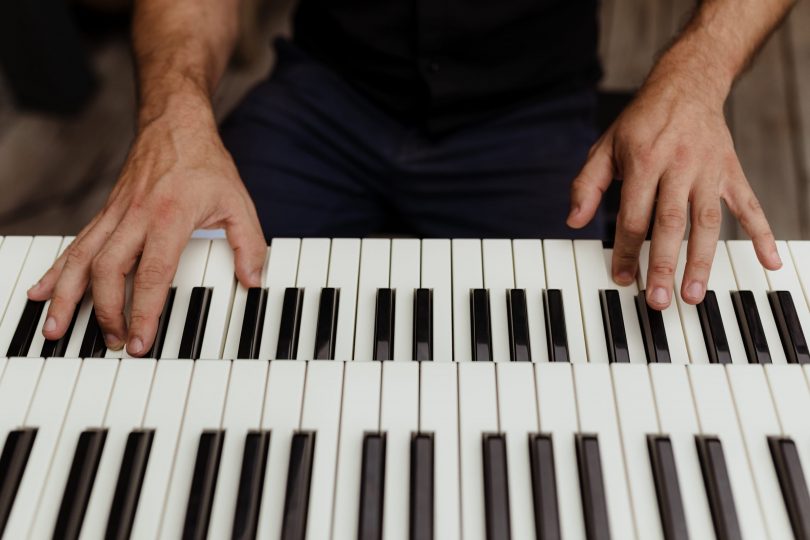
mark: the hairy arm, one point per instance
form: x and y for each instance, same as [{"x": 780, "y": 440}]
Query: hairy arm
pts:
[
  {"x": 673, "y": 150},
  {"x": 177, "y": 177}
]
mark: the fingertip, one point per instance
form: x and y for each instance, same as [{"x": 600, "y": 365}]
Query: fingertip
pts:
[
  {"x": 693, "y": 292},
  {"x": 623, "y": 277},
  {"x": 658, "y": 297},
  {"x": 136, "y": 347}
]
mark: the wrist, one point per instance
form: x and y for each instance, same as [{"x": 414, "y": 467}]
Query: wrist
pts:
[{"x": 174, "y": 98}]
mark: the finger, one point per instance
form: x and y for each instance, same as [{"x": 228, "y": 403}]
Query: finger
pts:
[
  {"x": 589, "y": 186},
  {"x": 161, "y": 254},
  {"x": 706, "y": 220},
  {"x": 109, "y": 272},
  {"x": 667, "y": 236},
  {"x": 745, "y": 206},
  {"x": 635, "y": 208},
  {"x": 70, "y": 282},
  {"x": 249, "y": 246}
]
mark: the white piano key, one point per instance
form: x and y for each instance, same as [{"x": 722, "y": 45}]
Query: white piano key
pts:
[
  {"x": 399, "y": 417},
  {"x": 791, "y": 399},
  {"x": 321, "y": 413},
  {"x": 717, "y": 416},
  {"x": 344, "y": 270},
  {"x": 632, "y": 327},
  {"x": 597, "y": 414},
  {"x": 85, "y": 308},
  {"x": 678, "y": 420},
  {"x": 758, "y": 420},
  {"x": 190, "y": 274},
  {"x": 243, "y": 412},
  {"x": 35, "y": 349},
  {"x": 124, "y": 413},
  {"x": 219, "y": 275},
  {"x": 164, "y": 414},
  {"x": 13, "y": 251},
  {"x": 17, "y": 387},
  {"x": 787, "y": 279},
  {"x": 530, "y": 274},
  {"x": 375, "y": 259},
  {"x": 360, "y": 412},
  {"x": 557, "y": 408},
  {"x": 499, "y": 277},
  {"x": 750, "y": 275},
  {"x": 592, "y": 276},
  {"x": 282, "y": 416},
  {"x": 517, "y": 418},
  {"x": 47, "y": 411},
  {"x": 637, "y": 419},
  {"x": 800, "y": 253},
  {"x": 87, "y": 408},
  {"x": 722, "y": 281},
  {"x": 234, "y": 334},
  {"x": 206, "y": 400},
  {"x": 477, "y": 414},
  {"x": 467, "y": 274},
  {"x": 405, "y": 263},
  {"x": 313, "y": 265},
  {"x": 436, "y": 275},
  {"x": 40, "y": 257},
  {"x": 282, "y": 268},
  {"x": 690, "y": 320},
  {"x": 438, "y": 414},
  {"x": 678, "y": 352},
  {"x": 561, "y": 273}
]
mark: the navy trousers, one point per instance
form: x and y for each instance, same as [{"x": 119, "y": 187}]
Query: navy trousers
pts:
[{"x": 320, "y": 159}]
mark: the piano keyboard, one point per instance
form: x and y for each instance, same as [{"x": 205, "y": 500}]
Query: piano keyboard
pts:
[{"x": 547, "y": 402}]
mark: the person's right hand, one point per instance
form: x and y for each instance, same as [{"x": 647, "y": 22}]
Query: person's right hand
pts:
[{"x": 178, "y": 177}]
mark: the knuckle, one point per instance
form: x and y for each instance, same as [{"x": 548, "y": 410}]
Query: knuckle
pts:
[
  {"x": 671, "y": 219},
  {"x": 78, "y": 255},
  {"x": 635, "y": 227},
  {"x": 102, "y": 267},
  {"x": 702, "y": 265},
  {"x": 662, "y": 267},
  {"x": 152, "y": 273},
  {"x": 754, "y": 205},
  {"x": 710, "y": 217},
  {"x": 140, "y": 319}
]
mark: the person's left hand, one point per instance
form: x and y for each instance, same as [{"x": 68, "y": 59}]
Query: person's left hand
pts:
[{"x": 673, "y": 151}]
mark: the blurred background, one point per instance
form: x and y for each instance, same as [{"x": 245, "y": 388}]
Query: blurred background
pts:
[{"x": 67, "y": 100}]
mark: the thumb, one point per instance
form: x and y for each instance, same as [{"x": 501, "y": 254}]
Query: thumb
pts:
[
  {"x": 249, "y": 247},
  {"x": 589, "y": 185}
]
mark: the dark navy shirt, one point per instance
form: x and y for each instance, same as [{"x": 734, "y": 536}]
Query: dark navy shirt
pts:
[{"x": 442, "y": 64}]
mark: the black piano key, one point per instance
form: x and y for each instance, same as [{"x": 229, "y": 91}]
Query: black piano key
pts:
[
  {"x": 653, "y": 331},
  {"x": 384, "y": 325},
  {"x": 592, "y": 487},
  {"x": 793, "y": 484},
  {"x": 252, "y": 323},
  {"x": 544, "y": 487},
  {"x": 251, "y": 485},
  {"x": 163, "y": 325},
  {"x": 203, "y": 485},
  {"x": 667, "y": 488},
  {"x": 480, "y": 325},
  {"x": 196, "y": 319},
  {"x": 79, "y": 484},
  {"x": 790, "y": 329},
  {"x": 714, "y": 334},
  {"x": 496, "y": 488},
  {"x": 128, "y": 486},
  {"x": 423, "y": 324},
  {"x": 518, "y": 317},
  {"x": 56, "y": 348},
  {"x": 287, "y": 347},
  {"x": 753, "y": 335},
  {"x": 718, "y": 487},
  {"x": 93, "y": 345},
  {"x": 13, "y": 460},
  {"x": 421, "y": 487},
  {"x": 26, "y": 328},
  {"x": 326, "y": 327},
  {"x": 299, "y": 478},
  {"x": 372, "y": 487},
  {"x": 555, "y": 326},
  {"x": 613, "y": 323}
]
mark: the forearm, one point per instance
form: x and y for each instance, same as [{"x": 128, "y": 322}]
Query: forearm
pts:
[
  {"x": 718, "y": 43},
  {"x": 181, "y": 50}
]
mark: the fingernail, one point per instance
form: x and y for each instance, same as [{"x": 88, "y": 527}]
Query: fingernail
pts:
[
  {"x": 35, "y": 286},
  {"x": 112, "y": 342},
  {"x": 50, "y": 324},
  {"x": 624, "y": 277},
  {"x": 660, "y": 295},
  {"x": 256, "y": 277},
  {"x": 695, "y": 290},
  {"x": 776, "y": 258},
  {"x": 576, "y": 209},
  {"x": 135, "y": 346}
]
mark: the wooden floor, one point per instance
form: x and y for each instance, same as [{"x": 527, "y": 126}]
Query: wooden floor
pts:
[{"x": 55, "y": 174}]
